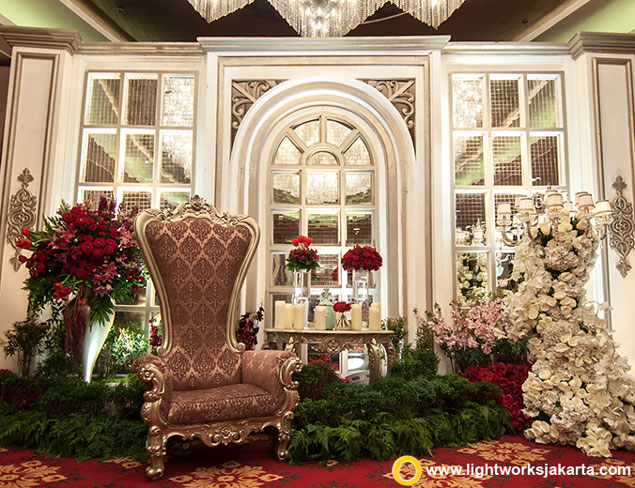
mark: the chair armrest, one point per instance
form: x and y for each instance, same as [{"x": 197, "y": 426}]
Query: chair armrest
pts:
[
  {"x": 153, "y": 371},
  {"x": 272, "y": 370}
]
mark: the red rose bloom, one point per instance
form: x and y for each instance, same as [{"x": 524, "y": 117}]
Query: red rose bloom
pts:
[
  {"x": 341, "y": 307},
  {"x": 23, "y": 243}
]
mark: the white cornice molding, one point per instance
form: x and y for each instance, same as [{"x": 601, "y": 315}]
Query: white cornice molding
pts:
[
  {"x": 142, "y": 48},
  {"x": 335, "y": 45},
  {"x": 601, "y": 42},
  {"x": 37, "y": 37},
  {"x": 507, "y": 48}
]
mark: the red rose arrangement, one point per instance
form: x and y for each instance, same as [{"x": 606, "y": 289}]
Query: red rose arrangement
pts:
[
  {"x": 302, "y": 258},
  {"x": 341, "y": 307},
  {"x": 342, "y": 321},
  {"x": 247, "y": 330},
  {"x": 91, "y": 253},
  {"x": 362, "y": 257},
  {"x": 510, "y": 379}
]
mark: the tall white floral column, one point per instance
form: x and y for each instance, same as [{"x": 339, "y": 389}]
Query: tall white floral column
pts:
[{"x": 579, "y": 390}]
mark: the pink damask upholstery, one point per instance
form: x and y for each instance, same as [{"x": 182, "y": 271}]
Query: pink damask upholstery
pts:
[
  {"x": 200, "y": 382},
  {"x": 199, "y": 261},
  {"x": 221, "y": 403}
]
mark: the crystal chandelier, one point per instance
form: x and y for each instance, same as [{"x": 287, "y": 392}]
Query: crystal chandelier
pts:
[{"x": 332, "y": 18}]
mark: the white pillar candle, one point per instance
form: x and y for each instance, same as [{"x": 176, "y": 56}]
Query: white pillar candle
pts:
[
  {"x": 374, "y": 316},
  {"x": 298, "y": 316},
  {"x": 319, "y": 314},
  {"x": 356, "y": 316},
  {"x": 279, "y": 320},
  {"x": 288, "y": 316}
]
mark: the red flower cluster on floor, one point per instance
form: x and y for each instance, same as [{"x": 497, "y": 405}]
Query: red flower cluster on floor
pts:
[
  {"x": 510, "y": 379},
  {"x": 362, "y": 257},
  {"x": 303, "y": 258}
]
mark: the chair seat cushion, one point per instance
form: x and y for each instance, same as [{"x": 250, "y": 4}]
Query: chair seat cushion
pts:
[{"x": 228, "y": 402}]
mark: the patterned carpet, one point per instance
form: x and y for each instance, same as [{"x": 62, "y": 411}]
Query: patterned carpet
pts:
[{"x": 252, "y": 466}]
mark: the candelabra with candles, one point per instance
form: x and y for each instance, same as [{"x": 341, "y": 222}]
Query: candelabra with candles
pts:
[{"x": 513, "y": 228}]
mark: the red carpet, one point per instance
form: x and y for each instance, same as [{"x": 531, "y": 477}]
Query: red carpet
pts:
[{"x": 252, "y": 466}]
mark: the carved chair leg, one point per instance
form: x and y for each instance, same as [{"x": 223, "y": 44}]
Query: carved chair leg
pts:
[
  {"x": 283, "y": 442},
  {"x": 155, "y": 445}
]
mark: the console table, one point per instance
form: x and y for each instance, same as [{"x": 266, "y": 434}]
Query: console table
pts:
[{"x": 334, "y": 341}]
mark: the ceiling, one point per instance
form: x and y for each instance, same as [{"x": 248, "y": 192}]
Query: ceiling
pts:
[{"x": 176, "y": 20}]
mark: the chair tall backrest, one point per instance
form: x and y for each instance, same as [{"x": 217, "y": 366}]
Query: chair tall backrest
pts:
[{"x": 198, "y": 260}]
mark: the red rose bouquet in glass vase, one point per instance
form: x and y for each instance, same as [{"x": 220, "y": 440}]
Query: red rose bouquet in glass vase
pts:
[
  {"x": 83, "y": 260},
  {"x": 342, "y": 322},
  {"x": 302, "y": 260},
  {"x": 361, "y": 260}
]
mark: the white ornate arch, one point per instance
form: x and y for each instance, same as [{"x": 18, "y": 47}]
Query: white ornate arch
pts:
[{"x": 242, "y": 183}]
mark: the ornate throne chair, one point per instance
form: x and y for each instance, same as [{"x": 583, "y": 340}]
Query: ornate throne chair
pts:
[{"x": 201, "y": 382}]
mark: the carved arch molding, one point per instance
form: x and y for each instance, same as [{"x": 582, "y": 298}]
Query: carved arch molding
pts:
[{"x": 400, "y": 93}]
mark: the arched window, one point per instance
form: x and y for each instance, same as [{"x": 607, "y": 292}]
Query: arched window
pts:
[{"x": 322, "y": 183}]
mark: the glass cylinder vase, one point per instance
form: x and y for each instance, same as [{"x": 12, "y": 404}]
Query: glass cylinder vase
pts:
[
  {"x": 361, "y": 278},
  {"x": 301, "y": 293}
]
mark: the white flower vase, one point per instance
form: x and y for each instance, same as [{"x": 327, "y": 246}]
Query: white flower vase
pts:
[{"x": 93, "y": 341}]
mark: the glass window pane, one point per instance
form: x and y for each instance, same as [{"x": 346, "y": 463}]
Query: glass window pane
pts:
[
  {"x": 176, "y": 156},
  {"x": 94, "y": 196},
  {"x": 471, "y": 275},
  {"x": 138, "y": 158},
  {"x": 130, "y": 320},
  {"x": 280, "y": 275},
  {"x": 286, "y": 227},
  {"x": 171, "y": 199},
  {"x": 100, "y": 156},
  {"x": 469, "y": 167},
  {"x": 140, "y": 200},
  {"x": 544, "y": 103},
  {"x": 359, "y": 228},
  {"x": 336, "y": 132},
  {"x": 507, "y": 160},
  {"x": 287, "y": 153},
  {"x": 178, "y": 100},
  {"x": 323, "y": 228},
  {"x": 323, "y": 158},
  {"x": 470, "y": 219},
  {"x": 504, "y": 101},
  {"x": 359, "y": 188},
  {"x": 467, "y": 95},
  {"x": 102, "y": 99},
  {"x": 309, "y": 132},
  {"x": 286, "y": 187},
  {"x": 141, "y": 107},
  {"x": 545, "y": 159},
  {"x": 358, "y": 153},
  {"x": 322, "y": 188},
  {"x": 328, "y": 272}
]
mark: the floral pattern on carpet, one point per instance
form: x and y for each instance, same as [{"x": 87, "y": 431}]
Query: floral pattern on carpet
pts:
[{"x": 253, "y": 466}]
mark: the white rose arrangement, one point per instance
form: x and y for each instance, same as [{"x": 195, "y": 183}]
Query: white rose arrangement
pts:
[{"x": 579, "y": 389}]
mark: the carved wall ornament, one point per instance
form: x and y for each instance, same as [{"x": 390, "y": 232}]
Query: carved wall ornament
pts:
[
  {"x": 401, "y": 93},
  {"x": 244, "y": 95},
  {"x": 622, "y": 227},
  {"x": 21, "y": 214}
]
